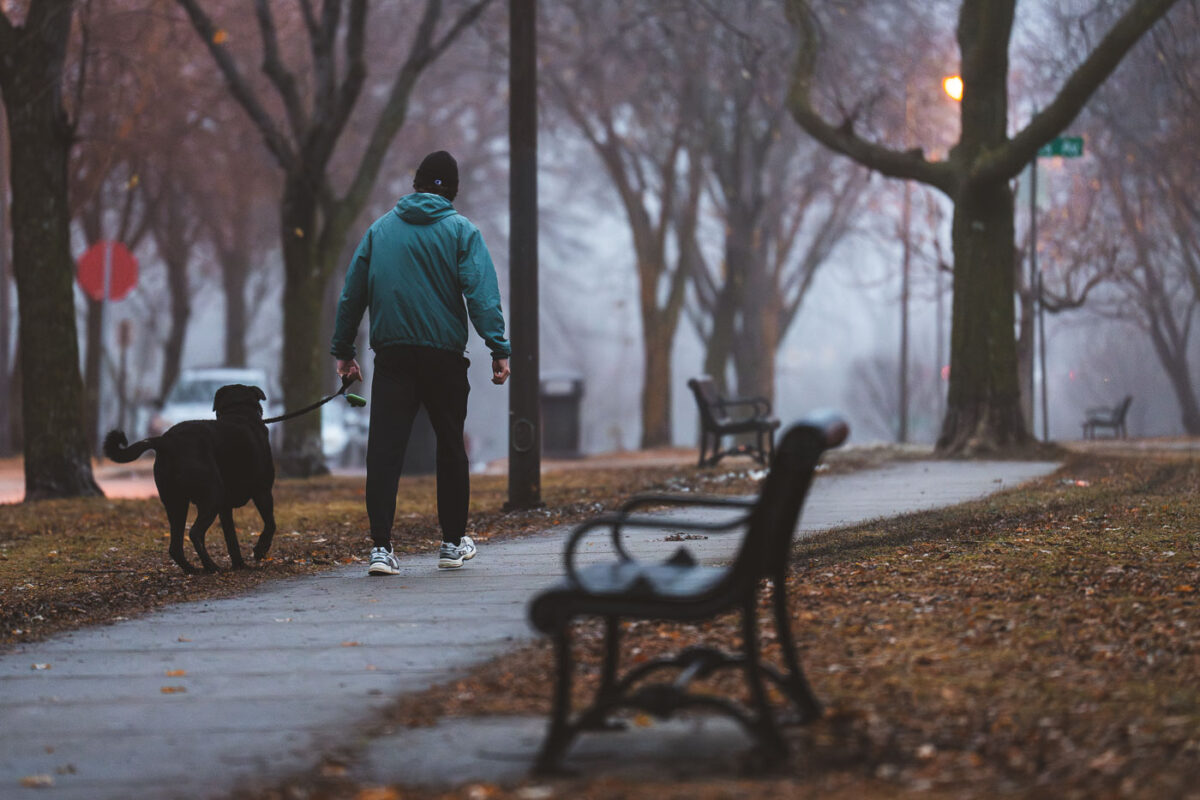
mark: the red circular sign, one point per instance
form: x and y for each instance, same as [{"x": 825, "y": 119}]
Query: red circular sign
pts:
[{"x": 122, "y": 265}]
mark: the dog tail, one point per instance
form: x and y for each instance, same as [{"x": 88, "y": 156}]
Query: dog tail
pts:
[{"x": 117, "y": 448}]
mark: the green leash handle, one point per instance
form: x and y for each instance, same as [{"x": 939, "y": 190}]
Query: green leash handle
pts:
[{"x": 352, "y": 399}]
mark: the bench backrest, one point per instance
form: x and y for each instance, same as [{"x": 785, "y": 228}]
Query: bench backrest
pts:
[
  {"x": 773, "y": 521},
  {"x": 1120, "y": 411},
  {"x": 708, "y": 401}
]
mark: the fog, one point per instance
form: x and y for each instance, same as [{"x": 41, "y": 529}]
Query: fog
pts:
[{"x": 842, "y": 349}]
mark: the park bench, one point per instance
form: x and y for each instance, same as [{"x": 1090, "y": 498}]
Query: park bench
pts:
[
  {"x": 716, "y": 422},
  {"x": 1105, "y": 417},
  {"x": 681, "y": 590}
]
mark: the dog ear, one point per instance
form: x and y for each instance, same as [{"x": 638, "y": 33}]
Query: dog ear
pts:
[
  {"x": 217, "y": 397},
  {"x": 259, "y": 392}
]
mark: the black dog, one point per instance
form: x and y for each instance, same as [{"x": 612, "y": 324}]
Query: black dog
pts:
[{"x": 217, "y": 464}]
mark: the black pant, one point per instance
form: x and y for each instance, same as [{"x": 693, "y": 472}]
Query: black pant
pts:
[{"x": 406, "y": 377}]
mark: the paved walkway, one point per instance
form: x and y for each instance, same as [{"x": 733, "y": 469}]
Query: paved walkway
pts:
[{"x": 201, "y": 698}]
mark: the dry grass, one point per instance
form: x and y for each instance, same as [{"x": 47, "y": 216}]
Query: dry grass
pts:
[{"x": 68, "y": 563}]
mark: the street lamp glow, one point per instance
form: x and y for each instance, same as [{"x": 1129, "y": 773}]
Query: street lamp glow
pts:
[{"x": 953, "y": 86}]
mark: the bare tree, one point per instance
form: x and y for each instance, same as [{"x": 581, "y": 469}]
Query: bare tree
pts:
[
  {"x": 316, "y": 107},
  {"x": 983, "y": 405},
  {"x": 1149, "y": 178},
  {"x": 782, "y": 205},
  {"x": 32, "y": 58},
  {"x": 613, "y": 70}
]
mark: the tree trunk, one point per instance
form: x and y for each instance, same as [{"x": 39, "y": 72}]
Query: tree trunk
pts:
[
  {"x": 756, "y": 347},
  {"x": 181, "y": 313},
  {"x": 93, "y": 347},
  {"x": 1170, "y": 345},
  {"x": 304, "y": 359},
  {"x": 172, "y": 233},
  {"x": 719, "y": 345},
  {"x": 984, "y": 402},
  {"x": 656, "y": 381},
  {"x": 57, "y": 456},
  {"x": 1025, "y": 355},
  {"x": 234, "y": 268},
  {"x": 722, "y": 342},
  {"x": 1185, "y": 394}
]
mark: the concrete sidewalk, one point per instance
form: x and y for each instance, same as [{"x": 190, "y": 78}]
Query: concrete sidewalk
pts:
[{"x": 201, "y": 698}]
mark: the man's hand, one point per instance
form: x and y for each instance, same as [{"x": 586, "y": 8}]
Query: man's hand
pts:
[
  {"x": 499, "y": 370},
  {"x": 349, "y": 368}
]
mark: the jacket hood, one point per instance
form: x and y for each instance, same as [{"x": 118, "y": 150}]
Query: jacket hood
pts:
[{"x": 420, "y": 208}]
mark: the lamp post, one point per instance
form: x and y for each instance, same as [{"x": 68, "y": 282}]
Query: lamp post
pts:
[
  {"x": 905, "y": 267},
  {"x": 524, "y": 414}
]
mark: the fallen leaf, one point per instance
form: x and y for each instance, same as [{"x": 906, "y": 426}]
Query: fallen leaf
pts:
[
  {"x": 173, "y": 689},
  {"x": 37, "y": 781},
  {"x": 176, "y": 673},
  {"x": 40, "y": 666},
  {"x": 220, "y": 37},
  {"x": 349, "y": 644}
]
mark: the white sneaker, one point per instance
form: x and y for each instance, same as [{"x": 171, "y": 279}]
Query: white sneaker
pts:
[
  {"x": 383, "y": 562},
  {"x": 452, "y": 556}
]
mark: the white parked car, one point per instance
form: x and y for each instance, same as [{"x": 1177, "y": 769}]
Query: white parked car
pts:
[
  {"x": 192, "y": 395},
  {"x": 343, "y": 434}
]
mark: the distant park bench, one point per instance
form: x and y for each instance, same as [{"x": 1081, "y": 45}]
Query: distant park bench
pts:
[
  {"x": 753, "y": 416},
  {"x": 678, "y": 589},
  {"x": 1104, "y": 417}
]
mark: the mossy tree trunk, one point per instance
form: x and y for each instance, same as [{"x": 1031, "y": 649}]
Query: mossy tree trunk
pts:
[{"x": 57, "y": 456}]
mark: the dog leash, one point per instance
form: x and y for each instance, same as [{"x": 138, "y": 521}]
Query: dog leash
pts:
[{"x": 352, "y": 399}]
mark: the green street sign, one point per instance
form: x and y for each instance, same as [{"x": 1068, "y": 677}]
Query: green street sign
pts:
[{"x": 1065, "y": 146}]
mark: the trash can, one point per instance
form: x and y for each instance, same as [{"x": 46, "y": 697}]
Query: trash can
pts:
[{"x": 561, "y": 395}]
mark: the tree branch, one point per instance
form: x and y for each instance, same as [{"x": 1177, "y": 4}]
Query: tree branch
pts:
[
  {"x": 910, "y": 164},
  {"x": 321, "y": 43},
  {"x": 356, "y": 65},
  {"x": 275, "y": 141},
  {"x": 391, "y": 118},
  {"x": 272, "y": 66},
  {"x": 1007, "y": 161}
]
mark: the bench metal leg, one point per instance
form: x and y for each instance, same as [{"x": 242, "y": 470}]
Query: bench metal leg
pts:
[
  {"x": 773, "y": 746},
  {"x": 559, "y": 732},
  {"x": 595, "y": 718},
  {"x": 795, "y": 685}
]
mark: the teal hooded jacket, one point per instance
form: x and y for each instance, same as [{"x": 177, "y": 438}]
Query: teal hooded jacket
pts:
[{"x": 414, "y": 267}]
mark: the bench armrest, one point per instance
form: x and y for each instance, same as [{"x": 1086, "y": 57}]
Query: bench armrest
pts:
[
  {"x": 618, "y": 520},
  {"x": 762, "y": 406}
]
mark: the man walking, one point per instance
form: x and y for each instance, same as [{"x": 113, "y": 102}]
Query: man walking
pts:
[{"x": 413, "y": 269}]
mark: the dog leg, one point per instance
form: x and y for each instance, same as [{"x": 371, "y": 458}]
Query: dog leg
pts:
[
  {"x": 231, "y": 542},
  {"x": 204, "y": 519},
  {"x": 177, "y": 509},
  {"x": 266, "y": 509}
]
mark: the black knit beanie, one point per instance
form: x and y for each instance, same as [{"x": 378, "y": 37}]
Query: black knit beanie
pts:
[{"x": 438, "y": 174}]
